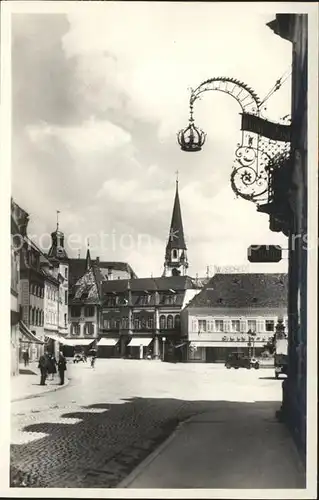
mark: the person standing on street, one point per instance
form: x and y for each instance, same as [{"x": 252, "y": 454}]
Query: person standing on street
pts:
[
  {"x": 26, "y": 358},
  {"x": 61, "y": 367},
  {"x": 52, "y": 365},
  {"x": 43, "y": 365}
]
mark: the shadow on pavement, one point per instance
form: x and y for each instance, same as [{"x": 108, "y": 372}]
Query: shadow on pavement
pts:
[
  {"x": 271, "y": 378},
  {"x": 101, "y": 449},
  {"x": 26, "y": 371}
]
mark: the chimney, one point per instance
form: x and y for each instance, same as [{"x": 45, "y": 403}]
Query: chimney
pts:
[
  {"x": 110, "y": 273},
  {"x": 97, "y": 260}
]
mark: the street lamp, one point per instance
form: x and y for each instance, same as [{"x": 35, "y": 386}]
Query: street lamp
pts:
[
  {"x": 251, "y": 339},
  {"x": 163, "y": 356}
]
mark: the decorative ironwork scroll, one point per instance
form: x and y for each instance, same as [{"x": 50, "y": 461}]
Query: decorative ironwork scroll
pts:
[{"x": 255, "y": 153}]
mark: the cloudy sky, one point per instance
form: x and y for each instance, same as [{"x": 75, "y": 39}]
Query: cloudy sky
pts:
[{"x": 98, "y": 96}]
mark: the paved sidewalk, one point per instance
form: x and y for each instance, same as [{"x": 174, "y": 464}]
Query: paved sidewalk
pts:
[
  {"x": 27, "y": 384},
  {"x": 244, "y": 448}
]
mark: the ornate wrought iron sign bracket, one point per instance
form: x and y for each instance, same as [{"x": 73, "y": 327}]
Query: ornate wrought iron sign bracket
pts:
[{"x": 262, "y": 142}]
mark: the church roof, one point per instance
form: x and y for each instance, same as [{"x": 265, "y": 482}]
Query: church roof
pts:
[
  {"x": 176, "y": 234},
  {"x": 253, "y": 290}
]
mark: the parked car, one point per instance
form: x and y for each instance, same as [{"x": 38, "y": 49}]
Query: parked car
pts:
[
  {"x": 79, "y": 356},
  {"x": 239, "y": 360}
]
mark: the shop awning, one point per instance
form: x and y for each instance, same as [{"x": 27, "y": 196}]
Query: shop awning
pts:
[
  {"x": 28, "y": 335},
  {"x": 107, "y": 341},
  {"x": 76, "y": 342},
  {"x": 144, "y": 341},
  {"x": 54, "y": 336}
]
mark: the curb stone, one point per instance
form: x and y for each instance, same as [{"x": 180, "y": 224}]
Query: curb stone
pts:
[
  {"x": 38, "y": 395},
  {"x": 149, "y": 459}
]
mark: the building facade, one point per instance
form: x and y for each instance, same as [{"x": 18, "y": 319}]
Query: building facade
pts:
[
  {"x": 51, "y": 309},
  {"x": 292, "y": 219},
  {"x": 32, "y": 300},
  {"x": 19, "y": 222},
  {"x": 233, "y": 313},
  {"x": 59, "y": 262},
  {"x": 85, "y": 281},
  {"x": 141, "y": 317}
]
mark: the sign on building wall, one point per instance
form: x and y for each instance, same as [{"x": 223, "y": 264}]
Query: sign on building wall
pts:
[{"x": 264, "y": 253}]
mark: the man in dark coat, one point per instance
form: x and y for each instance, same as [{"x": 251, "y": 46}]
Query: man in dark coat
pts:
[
  {"x": 43, "y": 365},
  {"x": 61, "y": 367},
  {"x": 26, "y": 358}
]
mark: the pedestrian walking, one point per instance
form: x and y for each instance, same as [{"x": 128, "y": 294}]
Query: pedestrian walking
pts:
[
  {"x": 61, "y": 367},
  {"x": 26, "y": 358},
  {"x": 43, "y": 365},
  {"x": 52, "y": 365},
  {"x": 93, "y": 358}
]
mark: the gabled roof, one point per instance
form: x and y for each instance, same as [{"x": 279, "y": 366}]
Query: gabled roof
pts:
[
  {"x": 77, "y": 268},
  {"x": 85, "y": 289},
  {"x": 176, "y": 235},
  {"x": 244, "y": 290},
  {"x": 163, "y": 284},
  {"x": 49, "y": 276}
]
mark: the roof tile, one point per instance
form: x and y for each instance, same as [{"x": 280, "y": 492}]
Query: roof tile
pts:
[{"x": 244, "y": 290}]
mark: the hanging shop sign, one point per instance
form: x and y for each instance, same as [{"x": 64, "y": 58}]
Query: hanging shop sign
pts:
[
  {"x": 266, "y": 128},
  {"x": 264, "y": 253}
]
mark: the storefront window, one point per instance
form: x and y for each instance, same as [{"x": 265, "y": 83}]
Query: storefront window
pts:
[
  {"x": 170, "y": 322},
  {"x": 252, "y": 325},
  {"x": 162, "y": 322},
  {"x": 219, "y": 324},
  {"x": 89, "y": 329},
  {"x": 76, "y": 311},
  {"x": 270, "y": 325},
  {"x": 202, "y": 325},
  {"x": 235, "y": 325},
  {"x": 76, "y": 328},
  {"x": 150, "y": 323}
]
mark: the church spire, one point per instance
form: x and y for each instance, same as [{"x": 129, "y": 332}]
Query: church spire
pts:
[
  {"x": 175, "y": 255},
  {"x": 88, "y": 263}
]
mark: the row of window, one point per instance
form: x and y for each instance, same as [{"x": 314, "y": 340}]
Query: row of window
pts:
[
  {"x": 143, "y": 300},
  {"x": 220, "y": 325},
  {"x": 76, "y": 311},
  {"x": 88, "y": 329},
  {"x": 51, "y": 318},
  {"x": 168, "y": 322},
  {"x": 36, "y": 317},
  {"x": 51, "y": 293},
  {"x": 36, "y": 290}
]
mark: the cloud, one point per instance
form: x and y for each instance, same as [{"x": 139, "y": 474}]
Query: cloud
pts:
[
  {"x": 90, "y": 137},
  {"x": 98, "y": 97}
]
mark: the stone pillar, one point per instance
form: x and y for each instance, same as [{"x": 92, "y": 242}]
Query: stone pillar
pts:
[
  {"x": 141, "y": 351},
  {"x": 156, "y": 351}
]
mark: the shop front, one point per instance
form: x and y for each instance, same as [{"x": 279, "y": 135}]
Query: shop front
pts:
[
  {"x": 72, "y": 346},
  {"x": 29, "y": 342},
  {"x": 139, "y": 347},
  {"x": 218, "y": 352},
  {"x": 53, "y": 342},
  {"x": 108, "y": 347}
]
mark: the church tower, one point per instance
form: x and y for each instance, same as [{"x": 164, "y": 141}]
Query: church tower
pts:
[
  {"x": 57, "y": 250},
  {"x": 59, "y": 258},
  {"x": 175, "y": 256}
]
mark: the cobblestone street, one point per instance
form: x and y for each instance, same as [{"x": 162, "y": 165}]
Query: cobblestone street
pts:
[{"x": 95, "y": 431}]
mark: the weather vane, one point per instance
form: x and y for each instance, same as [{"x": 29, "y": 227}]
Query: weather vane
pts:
[{"x": 57, "y": 219}]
